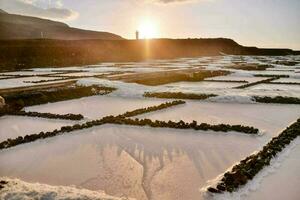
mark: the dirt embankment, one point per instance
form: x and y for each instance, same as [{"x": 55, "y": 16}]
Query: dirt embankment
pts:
[{"x": 171, "y": 76}]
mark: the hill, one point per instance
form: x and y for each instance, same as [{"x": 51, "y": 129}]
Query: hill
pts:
[
  {"x": 2, "y": 11},
  {"x": 20, "y": 54},
  {"x": 24, "y": 27}
]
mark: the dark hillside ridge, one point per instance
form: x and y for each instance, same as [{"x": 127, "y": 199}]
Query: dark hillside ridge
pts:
[
  {"x": 24, "y": 27},
  {"x": 2, "y": 11},
  {"x": 22, "y": 54},
  {"x": 268, "y": 51}
]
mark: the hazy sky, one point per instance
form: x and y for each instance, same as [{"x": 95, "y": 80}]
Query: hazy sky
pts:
[{"x": 263, "y": 23}]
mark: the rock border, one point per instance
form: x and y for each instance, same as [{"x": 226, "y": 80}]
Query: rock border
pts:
[
  {"x": 250, "y": 67},
  {"x": 178, "y": 95},
  {"x": 45, "y": 81},
  {"x": 151, "y": 108},
  {"x": 256, "y": 83},
  {"x": 272, "y": 75},
  {"x": 49, "y": 115},
  {"x": 277, "y": 99},
  {"x": 284, "y": 83},
  {"x": 2, "y": 184},
  {"x": 121, "y": 119},
  {"x": 182, "y": 125},
  {"x": 227, "y": 81},
  {"x": 246, "y": 170},
  {"x": 65, "y": 129}
]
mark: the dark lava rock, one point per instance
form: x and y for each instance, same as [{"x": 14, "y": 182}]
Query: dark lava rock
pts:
[
  {"x": 221, "y": 187},
  {"x": 213, "y": 190},
  {"x": 2, "y": 183}
]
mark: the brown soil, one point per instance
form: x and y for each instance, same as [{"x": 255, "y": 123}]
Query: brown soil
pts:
[{"x": 171, "y": 76}]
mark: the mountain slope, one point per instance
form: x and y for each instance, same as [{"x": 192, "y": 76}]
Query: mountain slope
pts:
[
  {"x": 21, "y": 54},
  {"x": 24, "y": 27},
  {"x": 2, "y": 11}
]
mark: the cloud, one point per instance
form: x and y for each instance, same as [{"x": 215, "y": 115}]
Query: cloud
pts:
[
  {"x": 176, "y": 1},
  {"x": 171, "y": 1},
  {"x": 39, "y": 8}
]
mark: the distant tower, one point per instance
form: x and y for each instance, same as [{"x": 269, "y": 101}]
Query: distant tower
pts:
[
  {"x": 137, "y": 35},
  {"x": 42, "y": 35}
]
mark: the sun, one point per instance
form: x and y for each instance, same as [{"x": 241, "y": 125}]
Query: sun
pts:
[{"x": 148, "y": 29}]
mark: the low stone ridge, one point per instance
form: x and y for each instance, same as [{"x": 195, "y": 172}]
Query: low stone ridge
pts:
[
  {"x": 121, "y": 119},
  {"x": 183, "y": 125},
  {"x": 281, "y": 70},
  {"x": 251, "y": 67},
  {"x": 65, "y": 129},
  {"x": 45, "y": 81},
  {"x": 42, "y": 135},
  {"x": 284, "y": 83},
  {"x": 2, "y": 184},
  {"x": 14, "y": 77},
  {"x": 241, "y": 173},
  {"x": 286, "y": 62},
  {"x": 277, "y": 99},
  {"x": 152, "y": 108},
  {"x": 70, "y": 76},
  {"x": 177, "y": 95},
  {"x": 227, "y": 81},
  {"x": 256, "y": 83},
  {"x": 272, "y": 75},
  {"x": 49, "y": 115}
]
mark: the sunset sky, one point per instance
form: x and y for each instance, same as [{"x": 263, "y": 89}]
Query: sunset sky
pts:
[{"x": 262, "y": 23}]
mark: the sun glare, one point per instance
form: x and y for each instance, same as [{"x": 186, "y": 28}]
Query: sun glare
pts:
[{"x": 148, "y": 29}]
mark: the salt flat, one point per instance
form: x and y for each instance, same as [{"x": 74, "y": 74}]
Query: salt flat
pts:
[
  {"x": 22, "y": 82},
  {"x": 79, "y": 74},
  {"x": 154, "y": 163},
  {"x": 96, "y": 107},
  {"x": 234, "y": 77},
  {"x": 28, "y": 73},
  {"x": 276, "y": 87},
  {"x": 203, "y": 85},
  {"x": 270, "y": 118},
  {"x": 14, "y": 126},
  {"x": 284, "y": 179},
  {"x": 132, "y": 161},
  {"x": 288, "y": 80}
]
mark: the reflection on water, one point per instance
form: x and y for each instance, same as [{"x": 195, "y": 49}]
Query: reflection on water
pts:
[{"x": 144, "y": 163}]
